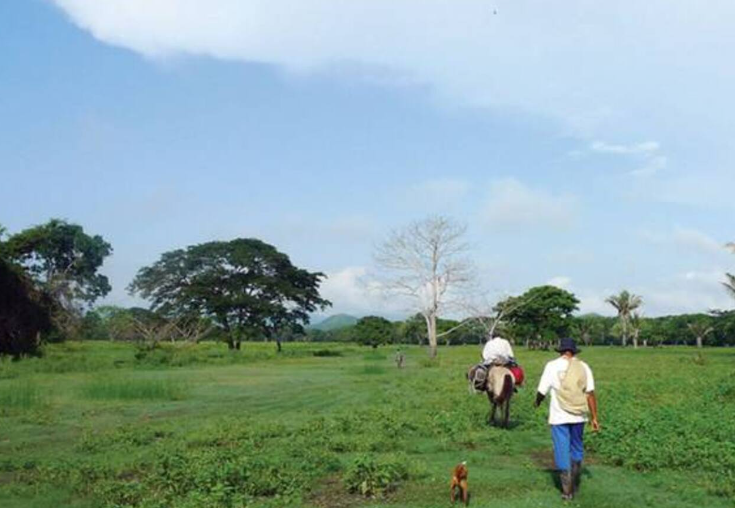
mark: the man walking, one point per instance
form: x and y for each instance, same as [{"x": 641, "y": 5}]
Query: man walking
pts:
[{"x": 572, "y": 390}]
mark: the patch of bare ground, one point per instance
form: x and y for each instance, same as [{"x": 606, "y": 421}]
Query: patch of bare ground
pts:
[{"x": 331, "y": 493}]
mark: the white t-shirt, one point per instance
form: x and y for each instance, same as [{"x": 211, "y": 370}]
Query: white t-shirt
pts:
[
  {"x": 551, "y": 381},
  {"x": 497, "y": 349}
]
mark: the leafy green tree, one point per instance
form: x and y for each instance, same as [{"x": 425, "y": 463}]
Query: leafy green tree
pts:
[
  {"x": 586, "y": 329},
  {"x": 412, "y": 330},
  {"x": 625, "y": 304},
  {"x": 62, "y": 260},
  {"x": 247, "y": 287},
  {"x": 542, "y": 314},
  {"x": 25, "y": 313},
  {"x": 373, "y": 331}
]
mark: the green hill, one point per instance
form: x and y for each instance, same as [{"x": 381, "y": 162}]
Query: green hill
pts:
[{"x": 335, "y": 322}]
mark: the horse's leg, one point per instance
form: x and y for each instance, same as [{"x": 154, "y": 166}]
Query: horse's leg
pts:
[
  {"x": 492, "y": 414},
  {"x": 506, "y": 416}
]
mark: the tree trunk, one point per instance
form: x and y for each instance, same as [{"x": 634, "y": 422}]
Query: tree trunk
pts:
[
  {"x": 431, "y": 329},
  {"x": 635, "y": 342},
  {"x": 699, "y": 342},
  {"x": 279, "y": 348},
  {"x": 645, "y": 342}
]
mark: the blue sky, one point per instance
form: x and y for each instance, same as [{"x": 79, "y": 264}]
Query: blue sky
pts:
[{"x": 585, "y": 145}]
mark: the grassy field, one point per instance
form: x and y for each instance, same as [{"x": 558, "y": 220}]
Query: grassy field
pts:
[{"x": 102, "y": 425}]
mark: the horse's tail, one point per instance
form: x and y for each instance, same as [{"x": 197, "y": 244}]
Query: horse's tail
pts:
[{"x": 507, "y": 391}]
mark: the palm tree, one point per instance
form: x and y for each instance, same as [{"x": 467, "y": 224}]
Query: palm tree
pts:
[
  {"x": 700, "y": 330},
  {"x": 730, "y": 283},
  {"x": 625, "y": 303},
  {"x": 636, "y": 323}
]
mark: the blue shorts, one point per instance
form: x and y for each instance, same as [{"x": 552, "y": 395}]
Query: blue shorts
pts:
[{"x": 568, "y": 444}]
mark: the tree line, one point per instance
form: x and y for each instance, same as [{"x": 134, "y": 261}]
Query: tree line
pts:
[
  {"x": 542, "y": 315},
  {"x": 245, "y": 290}
]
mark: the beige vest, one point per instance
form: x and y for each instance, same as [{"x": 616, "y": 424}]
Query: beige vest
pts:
[{"x": 571, "y": 395}]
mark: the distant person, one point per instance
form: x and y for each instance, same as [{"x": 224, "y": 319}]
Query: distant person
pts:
[
  {"x": 400, "y": 358},
  {"x": 497, "y": 351},
  {"x": 572, "y": 400}
]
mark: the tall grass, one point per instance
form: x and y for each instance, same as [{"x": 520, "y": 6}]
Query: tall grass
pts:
[
  {"x": 134, "y": 389},
  {"x": 19, "y": 395}
]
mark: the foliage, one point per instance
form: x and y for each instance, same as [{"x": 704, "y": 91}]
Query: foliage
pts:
[
  {"x": 373, "y": 331},
  {"x": 25, "y": 313},
  {"x": 371, "y": 477},
  {"x": 625, "y": 304},
  {"x": 242, "y": 437},
  {"x": 542, "y": 313},
  {"x": 245, "y": 286},
  {"x": 63, "y": 260}
]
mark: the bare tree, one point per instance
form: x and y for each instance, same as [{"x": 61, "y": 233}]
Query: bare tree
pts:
[{"x": 426, "y": 262}]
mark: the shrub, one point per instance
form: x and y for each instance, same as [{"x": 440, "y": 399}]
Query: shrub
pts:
[
  {"x": 372, "y": 477},
  {"x": 327, "y": 353}
]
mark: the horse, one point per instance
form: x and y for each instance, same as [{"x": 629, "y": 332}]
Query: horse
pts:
[{"x": 499, "y": 386}]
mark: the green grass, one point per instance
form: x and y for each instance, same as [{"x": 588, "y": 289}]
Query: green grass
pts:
[
  {"x": 21, "y": 395},
  {"x": 91, "y": 425},
  {"x": 134, "y": 389}
]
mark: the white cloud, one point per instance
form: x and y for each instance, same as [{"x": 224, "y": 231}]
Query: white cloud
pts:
[
  {"x": 512, "y": 204},
  {"x": 353, "y": 291},
  {"x": 636, "y": 148},
  {"x": 645, "y": 154},
  {"x": 588, "y": 64},
  {"x": 594, "y": 303}
]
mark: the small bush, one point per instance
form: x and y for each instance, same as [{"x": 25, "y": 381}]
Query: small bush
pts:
[
  {"x": 372, "y": 477},
  {"x": 327, "y": 353}
]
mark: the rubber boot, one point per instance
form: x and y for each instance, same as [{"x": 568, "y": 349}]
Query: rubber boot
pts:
[
  {"x": 576, "y": 475},
  {"x": 567, "y": 489}
]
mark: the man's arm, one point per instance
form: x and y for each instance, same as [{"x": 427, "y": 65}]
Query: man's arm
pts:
[
  {"x": 544, "y": 385},
  {"x": 539, "y": 399},
  {"x": 592, "y": 402}
]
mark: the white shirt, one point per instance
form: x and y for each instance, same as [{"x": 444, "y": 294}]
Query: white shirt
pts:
[
  {"x": 551, "y": 381},
  {"x": 497, "y": 349}
]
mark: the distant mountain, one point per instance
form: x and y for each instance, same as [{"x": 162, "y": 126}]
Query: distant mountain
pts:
[{"x": 335, "y": 322}]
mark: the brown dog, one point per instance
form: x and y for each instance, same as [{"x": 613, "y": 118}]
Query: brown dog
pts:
[{"x": 459, "y": 483}]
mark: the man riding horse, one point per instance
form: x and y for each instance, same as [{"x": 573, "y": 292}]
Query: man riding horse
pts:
[{"x": 496, "y": 380}]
